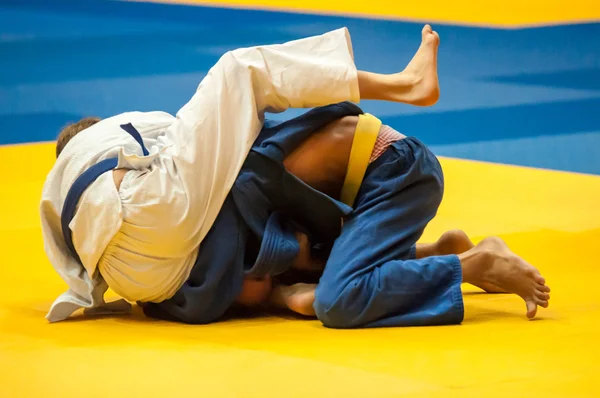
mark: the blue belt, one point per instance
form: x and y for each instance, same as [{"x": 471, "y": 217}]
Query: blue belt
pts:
[{"x": 84, "y": 181}]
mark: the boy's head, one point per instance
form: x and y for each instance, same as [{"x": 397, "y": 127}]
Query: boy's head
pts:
[{"x": 72, "y": 130}]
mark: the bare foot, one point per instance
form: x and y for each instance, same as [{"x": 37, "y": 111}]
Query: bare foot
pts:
[
  {"x": 422, "y": 71},
  {"x": 454, "y": 241},
  {"x": 298, "y": 298},
  {"x": 490, "y": 288},
  {"x": 491, "y": 261}
]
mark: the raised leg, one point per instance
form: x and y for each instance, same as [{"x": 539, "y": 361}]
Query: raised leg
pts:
[{"x": 417, "y": 84}]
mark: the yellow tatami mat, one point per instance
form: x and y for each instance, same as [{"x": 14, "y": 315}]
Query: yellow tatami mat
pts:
[
  {"x": 551, "y": 218},
  {"x": 466, "y": 12}
]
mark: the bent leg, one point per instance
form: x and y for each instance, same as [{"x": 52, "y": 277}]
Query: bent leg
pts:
[
  {"x": 511, "y": 273},
  {"x": 371, "y": 279}
]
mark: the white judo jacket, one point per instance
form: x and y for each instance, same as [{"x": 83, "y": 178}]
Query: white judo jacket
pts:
[{"x": 142, "y": 240}]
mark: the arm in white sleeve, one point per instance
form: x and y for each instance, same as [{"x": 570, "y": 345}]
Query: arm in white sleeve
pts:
[{"x": 214, "y": 131}]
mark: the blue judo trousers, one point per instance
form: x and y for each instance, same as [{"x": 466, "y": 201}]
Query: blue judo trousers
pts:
[{"x": 371, "y": 278}]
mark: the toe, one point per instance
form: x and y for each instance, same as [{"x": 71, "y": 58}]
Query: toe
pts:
[
  {"x": 541, "y": 303},
  {"x": 531, "y": 309},
  {"x": 543, "y": 288},
  {"x": 539, "y": 279},
  {"x": 543, "y": 296}
]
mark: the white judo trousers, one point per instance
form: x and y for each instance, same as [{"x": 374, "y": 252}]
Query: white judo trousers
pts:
[{"x": 142, "y": 240}]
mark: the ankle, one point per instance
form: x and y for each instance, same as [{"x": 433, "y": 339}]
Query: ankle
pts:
[
  {"x": 475, "y": 263},
  {"x": 374, "y": 86},
  {"x": 404, "y": 81}
]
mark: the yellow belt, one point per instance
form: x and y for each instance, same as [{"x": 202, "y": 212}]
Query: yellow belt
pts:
[{"x": 365, "y": 136}]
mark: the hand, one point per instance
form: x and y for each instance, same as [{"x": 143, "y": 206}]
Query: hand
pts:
[{"x": 304, "y": 260}]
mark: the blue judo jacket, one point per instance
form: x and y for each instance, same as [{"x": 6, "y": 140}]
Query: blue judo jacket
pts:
[{"x": 266, "y": 205}]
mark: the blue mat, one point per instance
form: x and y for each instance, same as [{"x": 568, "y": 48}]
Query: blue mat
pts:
[{"x": 528, "y": 96}]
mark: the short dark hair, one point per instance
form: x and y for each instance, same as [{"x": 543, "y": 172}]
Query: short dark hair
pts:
[{"x": 72, "y": 130}]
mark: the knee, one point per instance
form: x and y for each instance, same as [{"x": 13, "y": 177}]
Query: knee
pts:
[
  {"x": 329, "y": 313},
  {"x": 436, "y": 192},
  {"x": 336, "y": 309},
  {"x": 434, "y": 170},
  {"x": 430, "y": 182}
]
